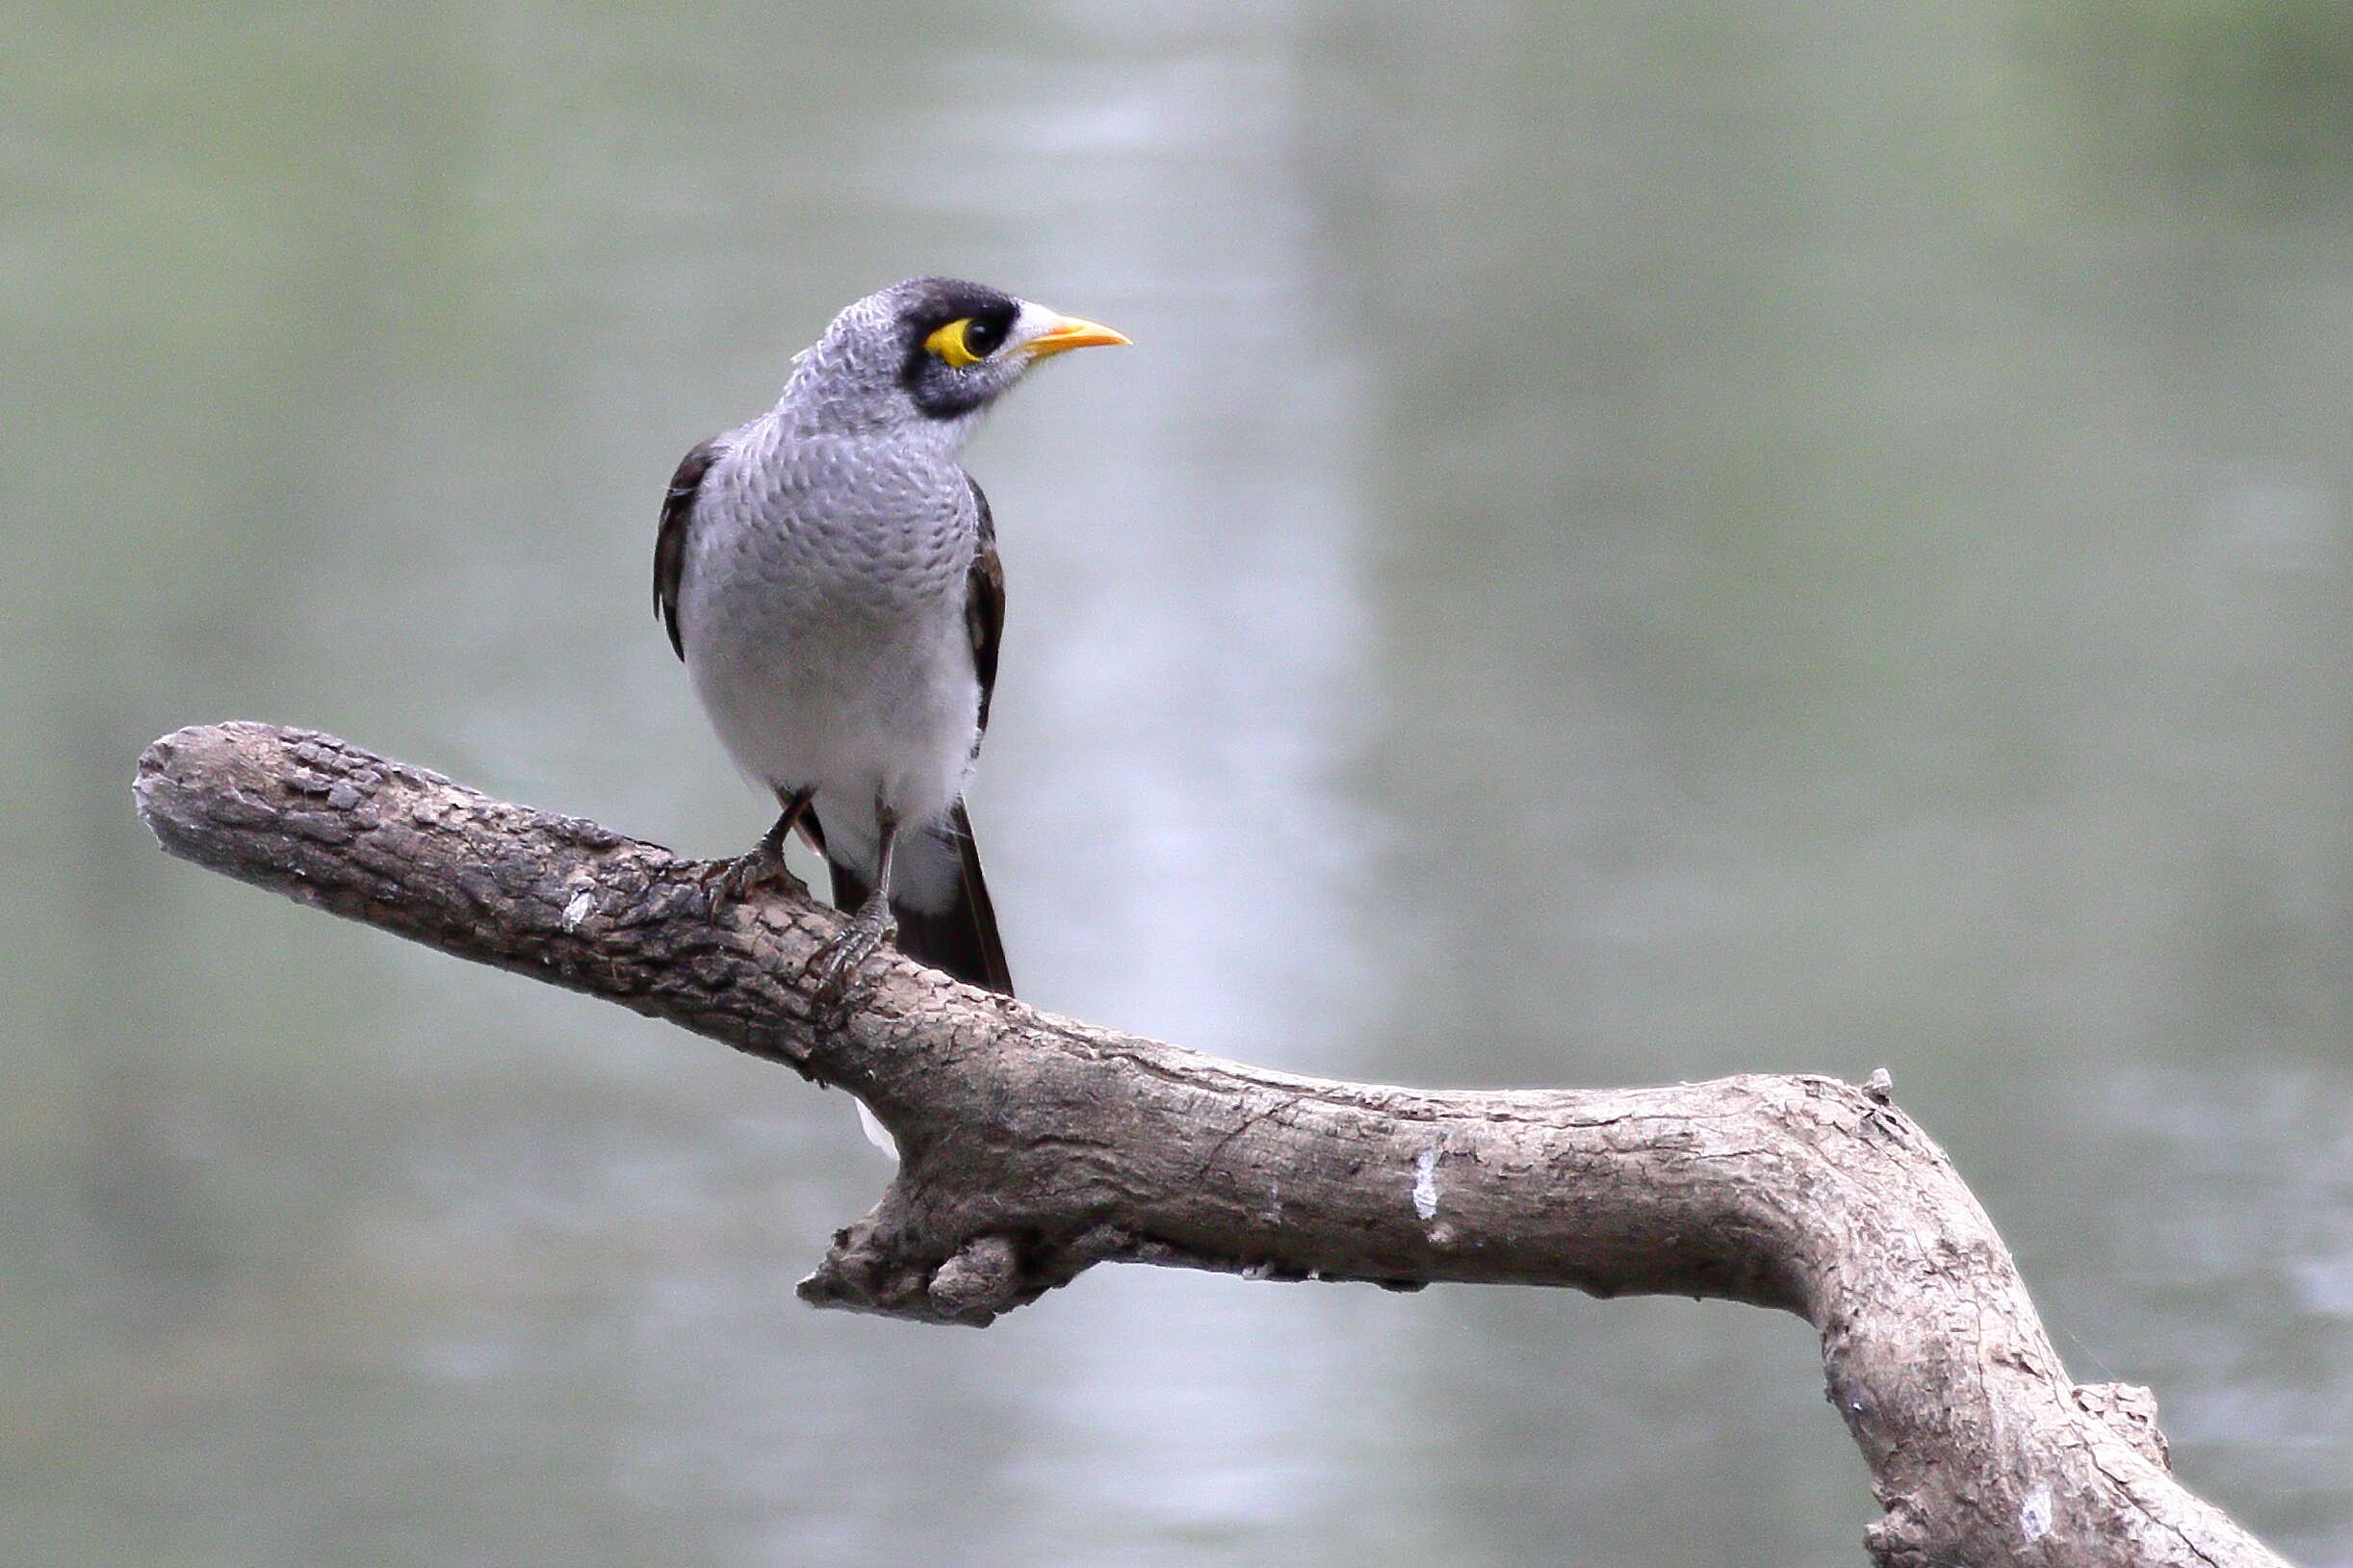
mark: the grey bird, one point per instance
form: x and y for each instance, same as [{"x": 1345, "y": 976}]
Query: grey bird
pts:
[{"x": 829, "y": 574}]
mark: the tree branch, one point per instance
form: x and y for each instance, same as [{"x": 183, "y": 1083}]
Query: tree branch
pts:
[{"x": 1035, "y": 1145}]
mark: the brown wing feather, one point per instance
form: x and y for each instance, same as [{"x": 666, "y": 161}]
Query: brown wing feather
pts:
[
  {"x": 670, "y": 540},
  {"x": 983, "y": 603}
]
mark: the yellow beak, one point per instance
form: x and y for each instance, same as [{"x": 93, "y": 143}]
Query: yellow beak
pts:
[{"x": 1071, "y": 332}]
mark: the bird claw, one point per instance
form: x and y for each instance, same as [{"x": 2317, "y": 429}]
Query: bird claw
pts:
[
  {"x": 736, "y": 881},
  {"x": 836, "y": 963}
]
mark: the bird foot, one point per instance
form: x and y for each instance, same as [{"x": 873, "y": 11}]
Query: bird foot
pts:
[
  {"x": 734, "y": 882},
  {"x": 836, "y": 963}
]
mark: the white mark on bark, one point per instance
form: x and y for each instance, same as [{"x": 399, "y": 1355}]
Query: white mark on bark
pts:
[
  {"x": 2034, "y": 1514},
  {"x": 1425, "y": 1182},
  {"x": 577, "y": 910}
]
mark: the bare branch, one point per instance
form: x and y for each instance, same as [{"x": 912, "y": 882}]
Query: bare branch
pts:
[{"x": 1034, "y": 1146}]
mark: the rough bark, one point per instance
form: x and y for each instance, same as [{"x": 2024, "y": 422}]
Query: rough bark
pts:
[{"x": 1034, "y": 1146}]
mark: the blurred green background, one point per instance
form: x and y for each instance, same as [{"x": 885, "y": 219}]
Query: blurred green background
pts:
[{"x": 1637, "y": 541}]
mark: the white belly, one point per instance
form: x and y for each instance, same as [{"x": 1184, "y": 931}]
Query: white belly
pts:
[{"x": 871, "y": 717}]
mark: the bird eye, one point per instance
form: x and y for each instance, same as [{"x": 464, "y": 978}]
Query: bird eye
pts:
[
  {"x": 966, "y": 340},
  {"x": 984, "y": 335}
]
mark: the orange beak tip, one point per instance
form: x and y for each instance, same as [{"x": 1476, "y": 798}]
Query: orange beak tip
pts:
[{"x": 1071, "y": 332}]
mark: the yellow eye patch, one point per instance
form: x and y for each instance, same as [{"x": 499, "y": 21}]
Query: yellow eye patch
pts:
[
  {"x": 952, "y": 343},
  {"x": 967, "y": 340}
]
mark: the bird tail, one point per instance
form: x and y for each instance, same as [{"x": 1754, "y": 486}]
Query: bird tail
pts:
[{"x": 958, "y": 937}]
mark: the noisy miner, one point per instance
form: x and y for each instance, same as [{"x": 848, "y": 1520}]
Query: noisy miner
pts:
[{"x": 829, "y": 574}]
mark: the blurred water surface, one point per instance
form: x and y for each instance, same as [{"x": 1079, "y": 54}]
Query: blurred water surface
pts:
[{"x": 1636, "y": 541}]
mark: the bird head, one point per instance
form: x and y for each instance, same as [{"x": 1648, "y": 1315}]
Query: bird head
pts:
[{"x": 931, "y": 348}]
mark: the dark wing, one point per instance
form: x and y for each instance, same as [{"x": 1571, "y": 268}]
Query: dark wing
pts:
[
  {"x": 983, "y": 603},
  {"x": 670, "y": 542}
]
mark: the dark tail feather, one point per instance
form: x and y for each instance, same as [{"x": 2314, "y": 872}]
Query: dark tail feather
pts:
[{"x": 962, "y": 939}]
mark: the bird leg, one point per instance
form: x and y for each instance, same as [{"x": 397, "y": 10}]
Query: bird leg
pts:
[
  {"x": 836, "y": 963},
  {"x": 729, "y": 881}
]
